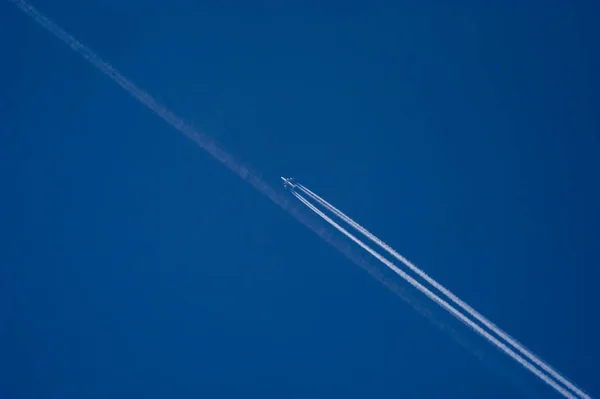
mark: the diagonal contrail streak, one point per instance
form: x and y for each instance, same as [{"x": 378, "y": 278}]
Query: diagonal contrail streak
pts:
[
  {"x": 215, "y": 150},
  {"x": 254, "y": 179},
  {"x": 460, "y": 316},
  {"x": 463, "y": 305}
]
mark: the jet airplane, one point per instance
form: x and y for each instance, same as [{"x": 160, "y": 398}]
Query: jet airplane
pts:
[{"x": 288, "y": 183}]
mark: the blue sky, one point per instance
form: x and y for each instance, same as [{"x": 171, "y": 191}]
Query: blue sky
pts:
[{"x": 466, "y": 136}]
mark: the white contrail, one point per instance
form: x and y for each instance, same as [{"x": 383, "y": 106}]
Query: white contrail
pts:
[
  {"x": 212, "y": 148},
  {"x": 243, "y": 171},
  {"x": 456, "y": 313},
  {"x": 466, "y": 307}
]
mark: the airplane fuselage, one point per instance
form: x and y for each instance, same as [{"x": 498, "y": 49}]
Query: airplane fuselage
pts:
[{"x": 288, "y": 183}]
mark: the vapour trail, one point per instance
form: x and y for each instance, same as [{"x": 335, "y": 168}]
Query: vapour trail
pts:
[
  {"x": 254, "y": 179},
  {"x": 460, "y": 316},
  {"x": 207, "y": 143},
  {"x": 466, "y": 307},
  {"x": 216, "y": 151}
]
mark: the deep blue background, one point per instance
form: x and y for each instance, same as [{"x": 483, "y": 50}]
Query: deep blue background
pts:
[{"x": 132, "y": 263}]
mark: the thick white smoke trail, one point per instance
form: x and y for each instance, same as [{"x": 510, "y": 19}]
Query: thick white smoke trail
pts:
[
  {"x": 456, "y": 313},
  {"x": 208, "y": 144},
  {"x": 463, "y": 305}
]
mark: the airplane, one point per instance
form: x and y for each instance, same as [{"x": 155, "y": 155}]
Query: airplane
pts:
[{"x": 288, "y": 183}]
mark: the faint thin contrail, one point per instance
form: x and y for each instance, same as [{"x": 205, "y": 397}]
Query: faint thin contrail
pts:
[
  {"x": 254, "y": 179},
  {"x": 479, "y": 317},
  {"x": 456, "y": 313}
]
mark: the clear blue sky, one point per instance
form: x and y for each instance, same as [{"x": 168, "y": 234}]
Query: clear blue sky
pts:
[{"x": 134, "y": 265}]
